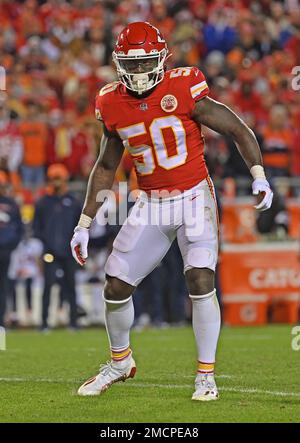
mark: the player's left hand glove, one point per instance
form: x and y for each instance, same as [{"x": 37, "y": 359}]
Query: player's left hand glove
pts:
[
  {"x": 79, "y": 244},
  {"x": 262, "y": 185}
]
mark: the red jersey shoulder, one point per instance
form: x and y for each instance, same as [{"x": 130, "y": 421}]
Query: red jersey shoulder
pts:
[
  {"x": 105, "y": 98},
  {"x": 191, "y": 79}
]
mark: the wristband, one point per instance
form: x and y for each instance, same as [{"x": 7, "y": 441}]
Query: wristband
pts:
[
  {"x": 257, "y": 171},
  {"x": 85, "y": 221}
]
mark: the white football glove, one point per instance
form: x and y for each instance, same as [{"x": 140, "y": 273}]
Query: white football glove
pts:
[
  {"x": 79, "y": 244},
  {"x": 262, "y": 185}
]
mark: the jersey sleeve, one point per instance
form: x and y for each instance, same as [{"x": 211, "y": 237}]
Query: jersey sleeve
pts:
[
  {"x": 198, "y": 86},
  {"x": 98, "y": 108},
  {"x": 105, "y": 105}
]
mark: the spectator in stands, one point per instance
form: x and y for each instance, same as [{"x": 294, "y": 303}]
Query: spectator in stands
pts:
[
  {"x": 293, "y": 43},
  {"x": 214, "y": 67},
  {"x": 185, "y": 41},
  {"x": 277, "y": 143},
  {"x": 296, "y": 157},
  {"x": 265, "y": 43},
  {"x": 11, "y": 146},
  {"x": 70, "y": 145},
  {"x": 246, "y": 99},
  {"x": 218, "y": 33},
  {"x": 277, "y": 23},
  {"x": 55, "y": 218},
  {"x": 161, "y": 19},
  {"x": 34, "y": 134},
  {"x": 11, "y": 230}
]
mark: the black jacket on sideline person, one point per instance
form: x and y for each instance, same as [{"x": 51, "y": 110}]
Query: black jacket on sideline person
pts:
[
  {"x": 11, "y": 231},
  {"x": 55, "y": 219},
  {"x": 11, "y": 226}
]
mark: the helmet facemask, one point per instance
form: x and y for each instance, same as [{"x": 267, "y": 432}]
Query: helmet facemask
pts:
[{"x": 139, "y": 71}]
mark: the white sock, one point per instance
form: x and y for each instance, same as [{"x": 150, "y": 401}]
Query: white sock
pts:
[
  {"x": 206, "y": 325},
  {"x": 119, "y": 320}
]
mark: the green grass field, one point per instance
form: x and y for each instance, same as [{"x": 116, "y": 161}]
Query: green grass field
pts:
[{"x": 258, "y": 375}]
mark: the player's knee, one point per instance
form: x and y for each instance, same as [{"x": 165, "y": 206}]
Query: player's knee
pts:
[
  {"x": 117, "y": 290},
  {"x": 200, "y": 281},
  {"x": 116, "y": 266}
]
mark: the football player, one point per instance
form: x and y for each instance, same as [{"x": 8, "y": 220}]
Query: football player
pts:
[{"x": 157, "y": 115}]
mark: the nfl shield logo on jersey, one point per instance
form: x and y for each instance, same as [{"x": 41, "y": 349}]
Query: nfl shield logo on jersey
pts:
[
  {"x": 169, "y": 103},
  {"x": 143, "y": 106}
]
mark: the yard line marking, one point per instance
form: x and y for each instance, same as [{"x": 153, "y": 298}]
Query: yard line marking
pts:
[
  {"x": 157, "y": 385},
  {"x": 222, "y": 388},
  {"x": 64, "y": 380},
  {"x": 260, "y": 391},
  {"x": 227, "y": 376},
  {"x": 37, "y": 380}
]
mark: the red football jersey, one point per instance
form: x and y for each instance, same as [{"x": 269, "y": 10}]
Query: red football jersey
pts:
[{"x": 166, "y": 145}]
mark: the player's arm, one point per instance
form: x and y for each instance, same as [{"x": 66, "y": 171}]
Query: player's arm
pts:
[
  {"x": 103, "y": 173},
  {"x": 223, "y": 120},
  {"x": 101, "y": 178}
]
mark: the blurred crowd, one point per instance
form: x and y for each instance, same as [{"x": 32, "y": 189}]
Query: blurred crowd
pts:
[{"x": 57, "y": 54}]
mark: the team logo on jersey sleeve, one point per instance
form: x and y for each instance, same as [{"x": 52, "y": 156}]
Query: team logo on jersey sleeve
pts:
[
  {"x": 169, "y": 103},
  {"x": 98, "y": 114}
]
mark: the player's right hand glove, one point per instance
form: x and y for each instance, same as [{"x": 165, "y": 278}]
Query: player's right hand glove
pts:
[
  {"x": 262, "y": 185},
  {"x": 79, "y": 244}
]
